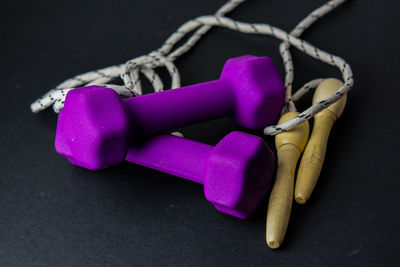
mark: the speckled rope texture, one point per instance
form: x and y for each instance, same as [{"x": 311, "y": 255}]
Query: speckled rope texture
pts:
[{"x": 129, "y": 72}]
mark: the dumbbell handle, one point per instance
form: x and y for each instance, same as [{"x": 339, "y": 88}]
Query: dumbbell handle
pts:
[
  {"x": 171, "y": 109},
  {"x": 171, "y": 154}
]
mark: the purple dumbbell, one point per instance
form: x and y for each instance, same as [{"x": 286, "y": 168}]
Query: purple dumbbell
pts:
[
  {"x": 236, "y": 173},
  {"x": 96, "y": 127}
]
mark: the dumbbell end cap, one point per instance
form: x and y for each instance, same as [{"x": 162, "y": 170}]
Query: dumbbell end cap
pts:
[
  {"x": 92, "y": 128},
  {"x": 259, "y": 90},
  {"x": 238, "y": 174}
]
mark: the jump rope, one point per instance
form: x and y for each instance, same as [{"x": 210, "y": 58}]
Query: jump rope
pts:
[{"x": 291, "y": 121}]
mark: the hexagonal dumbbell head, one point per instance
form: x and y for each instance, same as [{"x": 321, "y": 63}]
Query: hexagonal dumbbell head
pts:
[
  {"x": 238, "y": 174},
  {"x": 93, "y": 129},
  {"x": 258, "y": 88}
]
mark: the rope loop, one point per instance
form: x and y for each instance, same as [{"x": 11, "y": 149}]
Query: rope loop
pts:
[{"x": 164, "y": 57}]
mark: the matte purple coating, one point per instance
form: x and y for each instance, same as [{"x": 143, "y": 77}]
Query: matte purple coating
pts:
[
  {"x": 96, "y": 127},
  {"x": 236, "y": 173},
  {"x": 93, "y": 136}
]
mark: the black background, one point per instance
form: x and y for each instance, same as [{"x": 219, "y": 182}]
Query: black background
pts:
[{"x": 53, "y": 213}]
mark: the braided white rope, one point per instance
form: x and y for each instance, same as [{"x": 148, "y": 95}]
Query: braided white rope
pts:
[
  {"x": 147, "y": 63},
  {"x": 129, "y": 72},
  {"x": 287, "y": 58}
]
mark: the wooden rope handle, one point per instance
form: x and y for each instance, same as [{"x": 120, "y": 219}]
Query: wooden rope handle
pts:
[
  {"x": 314, "y": 154},
  {"x": 289, "y": 145}
]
